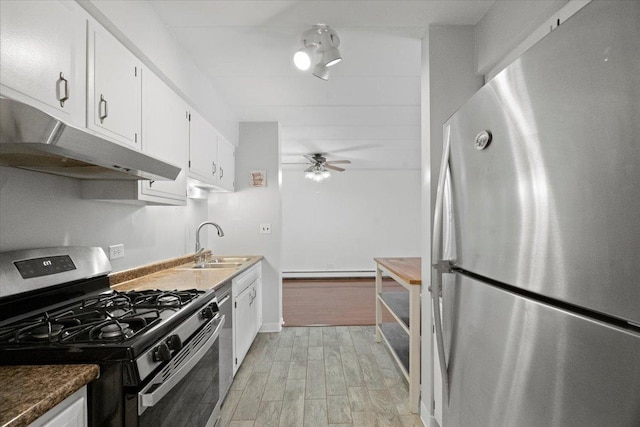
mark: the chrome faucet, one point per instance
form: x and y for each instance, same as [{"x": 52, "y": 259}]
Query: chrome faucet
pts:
[{"x": 199, "y": 248}]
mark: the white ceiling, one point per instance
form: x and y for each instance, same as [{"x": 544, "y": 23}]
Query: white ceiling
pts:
[{"x": 368, "y": 111}]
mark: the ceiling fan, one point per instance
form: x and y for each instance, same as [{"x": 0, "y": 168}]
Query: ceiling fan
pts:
[
  {"x": 319, "y": 160},
  {"x": 319, "y": 169}
]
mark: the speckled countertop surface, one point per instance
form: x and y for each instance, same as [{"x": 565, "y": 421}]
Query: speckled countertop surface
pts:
[
  {"x": 177, "y": 277},
  {"x": 27, "y": 392}
]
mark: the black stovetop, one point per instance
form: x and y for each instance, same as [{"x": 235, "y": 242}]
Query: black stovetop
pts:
[{"x": 111, "y": 324}]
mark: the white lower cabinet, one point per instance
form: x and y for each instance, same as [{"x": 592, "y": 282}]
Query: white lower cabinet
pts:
[
  {"x": 247, "y": 312},
  {"x": 71, "y": 412}
]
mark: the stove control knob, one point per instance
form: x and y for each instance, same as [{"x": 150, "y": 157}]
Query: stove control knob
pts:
[
  {"x": 174, "y": 343},
  {"x": 208, "y": 313},
  {"x": 161, "y": 353}
]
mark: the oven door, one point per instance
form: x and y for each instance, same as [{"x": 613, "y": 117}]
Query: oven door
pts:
[{"x": 186, "y": 392}]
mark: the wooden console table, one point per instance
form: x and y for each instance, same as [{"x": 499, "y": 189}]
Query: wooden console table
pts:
[{"x": 402, "y": 336}]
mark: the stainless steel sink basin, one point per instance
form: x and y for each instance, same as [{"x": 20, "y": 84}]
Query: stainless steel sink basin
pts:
[
  {"x": 229, "y": 259},
  {"x": 218, "y": 265}
]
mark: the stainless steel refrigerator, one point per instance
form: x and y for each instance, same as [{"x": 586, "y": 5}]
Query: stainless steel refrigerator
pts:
[{"x": 537, "y": 234}]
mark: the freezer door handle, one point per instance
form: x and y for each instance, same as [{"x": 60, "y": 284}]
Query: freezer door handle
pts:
[{"x": 439, "y": 265}]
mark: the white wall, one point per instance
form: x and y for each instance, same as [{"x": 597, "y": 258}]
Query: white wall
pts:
[
  {"x": 341, "y": 224},
  {"x": 505, "y": 26},
  {"x": 241, "y": 213},
  {"x": 426, "y": 363},
  {"x": 40, "y": 210}
]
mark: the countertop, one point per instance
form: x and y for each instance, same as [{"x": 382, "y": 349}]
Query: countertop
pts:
[
  {"x": 28, "y": 392},
  {"x": 407, "y": 269},
  {"x": 178, "y": 277}
]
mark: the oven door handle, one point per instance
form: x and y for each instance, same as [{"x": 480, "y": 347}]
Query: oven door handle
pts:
[{"x": 162, "y": 387}]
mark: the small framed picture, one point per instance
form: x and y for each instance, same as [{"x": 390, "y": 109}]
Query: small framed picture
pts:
[{"x": 258, "y": 179}]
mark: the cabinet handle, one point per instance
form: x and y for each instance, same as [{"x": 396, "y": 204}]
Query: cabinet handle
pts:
[
  {"x": 221, "y": 172},
  {"x": 151, "y": 183},
  {"x": 106, "y": 109},
  {"x": 65, "y": 86},
  {"x": 214, "y": 168}
]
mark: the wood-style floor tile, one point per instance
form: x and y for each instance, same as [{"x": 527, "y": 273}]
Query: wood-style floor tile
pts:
[
  {"x": 316, "y": 386},
  {"x": 315, "y": 413},
  {"x": 318, "y": 376},
  {"x": 269, "y": 414},
  {"x": 338, "y": 409}
]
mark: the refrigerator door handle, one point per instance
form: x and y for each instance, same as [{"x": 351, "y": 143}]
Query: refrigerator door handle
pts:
[{"x": 440, "y": 266}]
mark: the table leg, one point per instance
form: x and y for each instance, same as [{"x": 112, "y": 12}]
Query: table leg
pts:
[
  {"x": 414, "y": 349},
  {"x": 378, "y": 303}
]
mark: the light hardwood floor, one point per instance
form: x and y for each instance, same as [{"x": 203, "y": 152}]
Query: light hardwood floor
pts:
[
  {"x": 318, "y": 376},
  {"x": 317, "y": 302}
]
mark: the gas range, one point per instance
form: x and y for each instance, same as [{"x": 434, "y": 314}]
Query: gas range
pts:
[{"x": 56, "y": 306}]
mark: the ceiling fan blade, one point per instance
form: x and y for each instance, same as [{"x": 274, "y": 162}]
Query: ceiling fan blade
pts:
[
  {"x": 335, "y": 168},
  {"x": 333, "y": 162},
  {"x": 295, "y": 163}
]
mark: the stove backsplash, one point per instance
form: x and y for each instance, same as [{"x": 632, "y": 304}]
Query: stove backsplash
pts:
[{"x": 42, "y": 210}]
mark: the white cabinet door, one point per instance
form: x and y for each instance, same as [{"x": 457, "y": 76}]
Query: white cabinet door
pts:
[
  {"x": 256, "y": 306},
  {"x": 42, "y": 57},
  {"x": 71, "y": 412},
  {"x": 113, "y": 88},
  {"x": 165, "y": 135},
  {"x": 242, "y": 325},
  {"x": 203, "y": 147},
  {"x": 226, "y": 164}
]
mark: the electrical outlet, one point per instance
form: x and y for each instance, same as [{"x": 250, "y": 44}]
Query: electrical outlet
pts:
[
  {"x": 265, "y": 228},
  {"x": 116, "y": 251}
]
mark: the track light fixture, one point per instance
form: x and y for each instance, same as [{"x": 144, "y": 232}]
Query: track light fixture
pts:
[{"x": 321, "y": 40}]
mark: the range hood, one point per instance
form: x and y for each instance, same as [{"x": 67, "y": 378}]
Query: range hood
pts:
[{"x": 31, "y": 139}]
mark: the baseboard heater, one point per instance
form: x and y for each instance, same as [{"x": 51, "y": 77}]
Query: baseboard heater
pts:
[{"x": 322, "y": 274}]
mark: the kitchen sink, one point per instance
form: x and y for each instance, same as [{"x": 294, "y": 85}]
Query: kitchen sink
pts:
[
  {"x": 228, "y": 260},
  {"x": 218, "y": 265}
]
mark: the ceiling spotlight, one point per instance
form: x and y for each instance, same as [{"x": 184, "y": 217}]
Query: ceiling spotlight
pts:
[
  {"x": 331, "y": 57},
  {"x": 321, "y": 71},
  {"x": 302, "y": 58},
  {"x": 320, "y": 40}
]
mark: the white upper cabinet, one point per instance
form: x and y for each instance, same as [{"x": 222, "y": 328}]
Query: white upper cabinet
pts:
[
  {"x": 114, "y": 86},
  {"x": 42, "y": 57},
  {"x": 211, "y": 157},
  {"x": 165, "y": 135},
  {"x": 226, "y": 164},
  {"x": 203, "y": 149}
]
